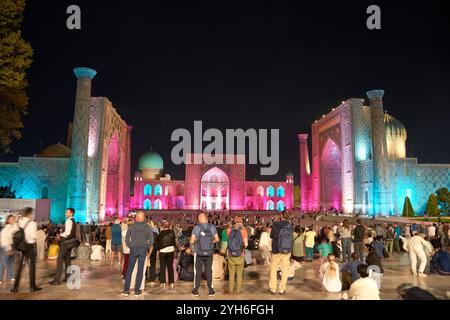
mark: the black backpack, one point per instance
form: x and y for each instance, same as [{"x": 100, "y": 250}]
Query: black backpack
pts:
[
  {"x": 285, "y": 240},
  {"x": 205, "y": 245},
  {"x": 235, "y": 242},
  {"x": 18, "y": 241}
]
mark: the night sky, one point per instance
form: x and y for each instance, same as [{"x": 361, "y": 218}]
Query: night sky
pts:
[{"x": 164, "y": 64}]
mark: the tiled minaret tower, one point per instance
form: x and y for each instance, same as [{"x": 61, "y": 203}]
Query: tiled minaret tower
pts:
[
  {"x": 304, "y": 172},
  {"x": 80, "y": 137},
  {"x": 381, "y": 194}
]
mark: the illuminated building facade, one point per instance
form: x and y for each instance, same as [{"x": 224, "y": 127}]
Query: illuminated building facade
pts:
[
  {"x": 359, "y": 163},
  {"x": 91, "y": 173},
  {"x": 208, "y": 187}
]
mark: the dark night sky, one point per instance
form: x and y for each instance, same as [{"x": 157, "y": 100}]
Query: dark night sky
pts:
[{"x": 281, "y": 65}]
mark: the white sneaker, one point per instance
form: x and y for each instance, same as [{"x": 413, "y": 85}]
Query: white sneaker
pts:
[
  {"x": 414, "y": 273},
  {"x": 423, "y": 275},
  {"x": 1, "y": 283}
]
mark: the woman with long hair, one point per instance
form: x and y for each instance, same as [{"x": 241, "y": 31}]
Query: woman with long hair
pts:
[
  {"x": 345, "y": 232},
  {"x": 329, "y": 273}
]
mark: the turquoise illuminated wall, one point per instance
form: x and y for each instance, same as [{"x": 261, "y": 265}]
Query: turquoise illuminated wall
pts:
[{"x": 31, "y": 176}]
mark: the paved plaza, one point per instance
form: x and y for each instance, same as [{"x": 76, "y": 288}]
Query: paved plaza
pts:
[{"x": 101, "y": 281}]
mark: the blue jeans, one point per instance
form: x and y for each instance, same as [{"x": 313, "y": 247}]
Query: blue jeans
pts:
[
  {"x": 8, "y": 262},
  {"x": 346, "y": 249},
  {"x": 139, "y": 255},
  {"x": 309, "y": 253}
]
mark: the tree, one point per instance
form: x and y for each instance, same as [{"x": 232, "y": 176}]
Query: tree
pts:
[
  {"x": 7, "y": 193},
  {"x": 432, "y": 206},
  {"x": 443, "y": 198},
  {"x": 297, "y": 197},
  {"x": 15, "y": 59},
  {"x": 408, "y": 210}
]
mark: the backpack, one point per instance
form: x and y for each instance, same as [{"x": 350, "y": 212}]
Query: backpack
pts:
[
  {"x": 235, "y": 242},
  {"x": 205, "y": 242},
  {"x": 285, "y": 239},
  {"x": 358, "y": 233},
  {"x": 18, "y": 241}
]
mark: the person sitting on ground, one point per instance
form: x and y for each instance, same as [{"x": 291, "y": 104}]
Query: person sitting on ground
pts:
[
  {"x": 325, "y": 248},
  {"x": 373, "y": 259},
  {"x": 295, "y": 265},
  {"x": 379, "y": 247},
  {"x": 218, "y": 266},
  {"x": 83, "y": 252},
  {"x": 440, "y": 262},
  {"x": 329, "y": 273},
  {"x": 350, "y": 271},
  {"x": 53, "y": 250},
  {"x": 186, "y": 264},
  {"x": 364, "y": 288},
  {"x": 97, "y": 252}
]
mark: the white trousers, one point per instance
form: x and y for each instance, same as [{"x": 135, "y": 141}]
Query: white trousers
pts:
[{"x": 417, "y": 252}]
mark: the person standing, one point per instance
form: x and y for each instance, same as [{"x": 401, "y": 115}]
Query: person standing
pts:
[
  {"x": 7, "y": 254},
  {"x": 310, "y": 236},
  {"x": 389, "y": 242},
  {"x": 67, "y": 242},
  {"x": 298, "y": 254},
  {"x": 78, "y": 233},
  {"x": 397, "y": 234},
  {"x": 281, "y": 235},
  {"x": 166, "y": 243},
  {"x": 237, "y": 242},
  {"x": 41, "y": 239},
  {"x": 345, "y": 232},
  {"x": 27, "y": 247},
  {"x": 108, "y": 237},
  {"x": 87, "y": 233},
  {"x": 358, "y": 239},
  {"x": 116, "y": 241},
  {"x": 139, "y": 238},
  {"x": 265, "y": 245},
  {"x": 126, "y": 250},
  {"x": 203, "y": 237}
]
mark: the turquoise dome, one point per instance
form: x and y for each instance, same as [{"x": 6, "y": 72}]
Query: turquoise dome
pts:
[{"x": 151, "y": 160}]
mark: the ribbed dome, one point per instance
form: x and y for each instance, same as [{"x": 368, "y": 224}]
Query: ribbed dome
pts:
[
  {"x": 55, "y": 151},
  {"x": 394, "y": 128},
  {"x": 151, "y": 160}
]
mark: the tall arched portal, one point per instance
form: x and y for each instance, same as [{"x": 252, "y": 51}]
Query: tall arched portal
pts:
[
  {"x": 112, "y": 182},
  {"x": 331, "y": 176},
  {"x": 215, "y": 190}
]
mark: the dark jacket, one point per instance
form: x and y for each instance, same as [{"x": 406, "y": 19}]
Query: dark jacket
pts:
[
  {"x": 358, "y": 233},
  {"x": 139, "y": 235},
  {"x": 374, "y": 260},
  {"x": 166, "y": 238},
  {"x": 186, "y": 267}
]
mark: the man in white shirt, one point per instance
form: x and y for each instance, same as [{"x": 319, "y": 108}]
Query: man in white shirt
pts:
[
  {"x": 364, "y": 288},
  {"x": 67, "y": 242},
  {"x": 30, "y": 228},
  {"x": 431, "y": 231}
]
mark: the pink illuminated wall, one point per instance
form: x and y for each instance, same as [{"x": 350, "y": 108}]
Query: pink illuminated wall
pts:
[{"x": 215, "y": 187}]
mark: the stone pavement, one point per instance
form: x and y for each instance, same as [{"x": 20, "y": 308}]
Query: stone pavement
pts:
[{"x": 101, "y": 281}]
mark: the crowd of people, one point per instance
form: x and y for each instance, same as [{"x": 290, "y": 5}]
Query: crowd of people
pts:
[{"x": 215, "y": 247}]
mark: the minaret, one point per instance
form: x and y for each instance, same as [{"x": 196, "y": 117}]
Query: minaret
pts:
[
  {"x": 289, "y": 194},
  {"x": 304, "y": 171},
  {"x": 381, "y": 194},
  {"x": 79, "y": 142}
]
